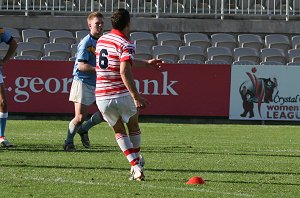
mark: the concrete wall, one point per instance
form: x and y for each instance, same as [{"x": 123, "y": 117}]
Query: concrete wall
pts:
[{"x": 179, "y": 25}]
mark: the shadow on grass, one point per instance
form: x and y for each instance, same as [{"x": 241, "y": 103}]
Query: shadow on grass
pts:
[
  {"x": 163, "y": 150},
  {"x": 58, "y": 148},
  {"x": 192, "y": 150}
]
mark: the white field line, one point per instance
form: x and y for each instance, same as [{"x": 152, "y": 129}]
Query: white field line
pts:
[
  {"x": 61, "y": 180},
  {"x": 279, "y": 151}
]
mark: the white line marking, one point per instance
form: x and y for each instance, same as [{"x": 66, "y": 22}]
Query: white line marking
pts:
[{"x": 145, "y": 185}]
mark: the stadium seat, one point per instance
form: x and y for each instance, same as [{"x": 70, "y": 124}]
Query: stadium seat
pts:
[
  {"x": 143, "y": 52},
  {"x": 220, "y": 53},
  {"x": 273, "y": 54},
  {"x": 278, "y": 41},
  {"x": 53, "y": 58},
  {"x": 28, "y": 48},
  {"x": 3, "y": 49},
  {"x": 293, "y": 64},
  {"x": 168, "y": 60},
  {"x": 74, "y": 49},
  {"x": 26, "y": 57},
  {"x": 192, "y": 52},
  {"x": 216, "y": 62},
  {"x": 80, "y": 34},
  {"x": 62, "y": 36},
  {"x": 72, "y": 58},
  {"x": 165, "y": 52},
  {"x": 15, "y": 33},
  {"x": 295, "y": 41},
  {"x": 190, "y": 61},
  {"x": 223, "y": 40},
  {"x": 294, "y": 55},
  {"x": 35, "y": 36},
  {"x": 250, "y": 40},
  {"x": 197, "y": 39},
  {"x": 168, "y": 38},
  {"x": 271, "y": 63},
  {"x": 246, "y": 53},
  {"x": 142, "y": 38},
  {"x": 244, "y": 62},
  {"x": 57, "y": 50}
]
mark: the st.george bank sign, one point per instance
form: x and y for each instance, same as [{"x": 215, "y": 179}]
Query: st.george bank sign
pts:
[{"x": 175, "y": 89}]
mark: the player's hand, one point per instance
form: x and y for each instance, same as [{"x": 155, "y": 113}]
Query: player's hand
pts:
[
  {"x": 155, "y": 63},
  {"x": 141, "y": 102}
]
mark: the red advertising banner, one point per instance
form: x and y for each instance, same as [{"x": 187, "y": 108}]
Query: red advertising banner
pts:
[{"x": 175, "y": 89}]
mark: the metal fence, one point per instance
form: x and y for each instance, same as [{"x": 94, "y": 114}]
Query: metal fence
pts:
[{"x": 269, "y": 9}]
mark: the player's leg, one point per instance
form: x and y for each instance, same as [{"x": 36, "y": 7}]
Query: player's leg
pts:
[
  {"x": 126, "y": 146},
  {"x": 88, "y": 98},
  {"x": 3, "y": 116},
  {"x": 95, "y": 119},
  {"x": 111, "y": 110},
  {"x": 129, "y": 115},
  {"x": 81, "y": 111},
  {"x": 111, "y": 113},
  {"x": 135, "y": 138},
  {"x": 135, "y": 135}
]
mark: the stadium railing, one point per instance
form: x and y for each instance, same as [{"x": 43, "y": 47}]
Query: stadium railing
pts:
[{"x": 268, "y": 9}]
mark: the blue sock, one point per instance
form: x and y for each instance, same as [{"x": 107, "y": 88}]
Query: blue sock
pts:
[
  {"x": 3, "y": 119},
  {"x": 94, "y": 120}
]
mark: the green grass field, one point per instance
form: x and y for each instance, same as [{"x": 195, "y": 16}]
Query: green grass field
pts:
[{"x": 235, "y": 161}]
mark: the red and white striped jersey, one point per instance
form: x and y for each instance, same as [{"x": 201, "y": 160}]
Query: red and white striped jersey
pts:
[{"x": 112, "y": 49}]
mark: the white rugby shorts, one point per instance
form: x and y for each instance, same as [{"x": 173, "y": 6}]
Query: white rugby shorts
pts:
[
  {"x": 82, "y": 93},
  {"x": 116, "y": 108}
]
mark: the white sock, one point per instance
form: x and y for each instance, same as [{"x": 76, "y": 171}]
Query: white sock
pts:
[
  {"x": 126, "y": 146},
  {"x": 71, "y": 133},
  {"x": 135, "y": 138}
]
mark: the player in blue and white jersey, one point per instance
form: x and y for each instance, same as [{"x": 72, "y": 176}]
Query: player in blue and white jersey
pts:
[
  {"x": 82, "y": 92},
  {"x": 8, "y": 39}
]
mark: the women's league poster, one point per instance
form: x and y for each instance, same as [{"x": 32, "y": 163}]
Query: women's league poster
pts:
[{"x": 265, "y": 92}]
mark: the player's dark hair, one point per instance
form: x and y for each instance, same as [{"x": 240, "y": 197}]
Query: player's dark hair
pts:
[{"x": 120, "y": 19}]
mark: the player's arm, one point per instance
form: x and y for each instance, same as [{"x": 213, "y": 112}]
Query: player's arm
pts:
[
  {"x": 85, "y": 67},
  {"x": 10, "y": 52},
  {"x": 127, "y": 77},
  {"x": 152, "y": 63}
]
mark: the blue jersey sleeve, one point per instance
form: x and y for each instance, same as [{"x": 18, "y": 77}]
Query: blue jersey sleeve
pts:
[
  {"x": 86, "y": 53},
  {"x": 5, "y": 36},
  {"x": 82, "y": 52}
]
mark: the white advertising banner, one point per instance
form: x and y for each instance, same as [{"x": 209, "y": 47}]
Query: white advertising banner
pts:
[{"x": 265, "y": 92}]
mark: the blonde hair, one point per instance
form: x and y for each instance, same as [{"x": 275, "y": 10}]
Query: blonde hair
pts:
[{"x": 93, "y": 15}]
